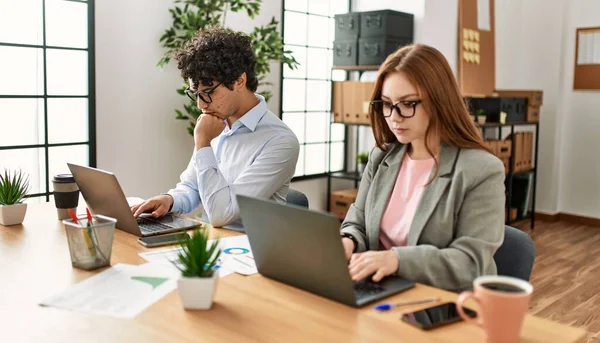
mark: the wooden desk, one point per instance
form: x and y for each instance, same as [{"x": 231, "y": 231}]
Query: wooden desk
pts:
[{"x": 35, "y": 264}]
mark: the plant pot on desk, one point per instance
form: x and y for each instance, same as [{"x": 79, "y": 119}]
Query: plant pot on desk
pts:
[
  {"x": 12, "y": 214},
  {"x": 197, "y": 293}
]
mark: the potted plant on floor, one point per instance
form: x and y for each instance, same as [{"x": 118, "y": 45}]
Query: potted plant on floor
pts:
[
  {"x": 363, "y": 158},
  {"x": 14, "y": 186},
  {"x": 197, "y": 261}
]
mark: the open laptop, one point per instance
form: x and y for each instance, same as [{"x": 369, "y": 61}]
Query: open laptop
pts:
[
  {"x": 304, "y": 249},
  {"x": 104, "y": 196}
]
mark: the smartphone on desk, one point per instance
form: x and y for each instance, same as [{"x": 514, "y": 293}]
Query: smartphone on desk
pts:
[
  {"x": 436, "y": 316},
  {"x": 161, "y": 240}
]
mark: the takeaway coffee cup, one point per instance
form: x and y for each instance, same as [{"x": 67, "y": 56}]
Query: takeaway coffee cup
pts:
[
  {"x": 66, "y": 194},
  {"x": 503, "y": 303}
]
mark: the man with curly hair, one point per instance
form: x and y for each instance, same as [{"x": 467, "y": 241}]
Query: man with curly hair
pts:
[{"x": 240, "y": 146}]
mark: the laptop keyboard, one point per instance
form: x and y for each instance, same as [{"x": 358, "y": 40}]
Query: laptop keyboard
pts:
[
  {"x": 366, "y": 288},
  {"x": 149, "y": 226}
]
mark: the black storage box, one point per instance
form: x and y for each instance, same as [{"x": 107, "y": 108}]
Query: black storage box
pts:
[
  {"x": 515, "y": 108},
  {"x": 374, "y": 50},
  {"x": 345, "y": 52},
  {"x": 386, "y": 23},
  {"x": 347, "y": 26}
]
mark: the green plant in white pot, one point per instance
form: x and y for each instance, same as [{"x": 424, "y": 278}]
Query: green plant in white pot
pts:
[
  {"x": 14, "y": 186},
  {"x": 197, "y": 261}
]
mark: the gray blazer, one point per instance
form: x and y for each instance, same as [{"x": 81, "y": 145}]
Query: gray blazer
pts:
[{"x": 458, "y": 225}]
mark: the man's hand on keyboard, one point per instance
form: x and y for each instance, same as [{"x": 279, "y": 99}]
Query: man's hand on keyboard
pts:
[{"x": 158, "y": 205}]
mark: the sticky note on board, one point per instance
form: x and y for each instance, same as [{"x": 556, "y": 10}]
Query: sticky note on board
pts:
[
  {"x": 476, "y": 58},
  {"x": 476, "y": 36}
]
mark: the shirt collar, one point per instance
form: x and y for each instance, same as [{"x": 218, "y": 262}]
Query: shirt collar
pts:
[{"x": 252, "y": 117}]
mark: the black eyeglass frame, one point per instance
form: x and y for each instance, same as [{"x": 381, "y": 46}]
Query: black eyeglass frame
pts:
[
  {"x": 411, "y": 103},
  {"x": 200, "y": 94}
]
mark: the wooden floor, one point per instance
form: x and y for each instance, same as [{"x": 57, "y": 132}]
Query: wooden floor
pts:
[{"x": 566, "y": 274}]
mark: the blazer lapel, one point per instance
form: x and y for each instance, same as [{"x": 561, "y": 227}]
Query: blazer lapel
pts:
[
  {"x": 433, "y": 192},
  {"x": 382, "y": 186}
]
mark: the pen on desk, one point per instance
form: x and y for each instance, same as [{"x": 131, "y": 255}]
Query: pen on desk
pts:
[{"x": 387, "y": 307}]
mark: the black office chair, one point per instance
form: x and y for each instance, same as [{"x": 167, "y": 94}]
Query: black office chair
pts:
[
  {"x": 516, "y": 255},
  {"x": 298, "y": 198}
]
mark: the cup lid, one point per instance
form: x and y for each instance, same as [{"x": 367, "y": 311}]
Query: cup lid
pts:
[{"x": 63, "y": 178}]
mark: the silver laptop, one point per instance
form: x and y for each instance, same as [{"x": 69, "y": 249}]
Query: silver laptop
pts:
[
  {"x": 104, "y": 196},
  {"x": 304, "y": 249}
]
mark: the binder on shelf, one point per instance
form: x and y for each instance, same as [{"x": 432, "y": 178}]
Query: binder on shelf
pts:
[
  {"x": 338, "y": 102},
  {"x": 517, "y": 158},
  {"x": 367, "y": 92}
]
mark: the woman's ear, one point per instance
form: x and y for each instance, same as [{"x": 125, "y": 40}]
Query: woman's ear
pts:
[{"x": 240, "y": 83}]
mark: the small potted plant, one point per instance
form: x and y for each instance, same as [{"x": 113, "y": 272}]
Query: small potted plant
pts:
[
  {"x": 363, "y": 158},
  {"x": 197, "y": 261},
  {"x": 481, "y": 117},
  {"x": 14, "y": 186}
]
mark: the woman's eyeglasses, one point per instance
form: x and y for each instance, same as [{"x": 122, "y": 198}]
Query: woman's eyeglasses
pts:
[
  {"x": 405, "y": 108},
  {"x": 203, "y": 95}
]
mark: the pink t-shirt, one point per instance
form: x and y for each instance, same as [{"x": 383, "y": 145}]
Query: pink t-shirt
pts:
[{"x": 402, "y": 205}]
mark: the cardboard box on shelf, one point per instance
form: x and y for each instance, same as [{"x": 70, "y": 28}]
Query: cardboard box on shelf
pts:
[
  {"x": 533, "y": 114},
  {"x": 340, "y": 201},
  {"x": 504, "y": 148}
]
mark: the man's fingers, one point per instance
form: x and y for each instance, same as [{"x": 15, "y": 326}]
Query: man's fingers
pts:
[
  {"x": 160, "y": 211},
  {"x": 144, "y": 207}
]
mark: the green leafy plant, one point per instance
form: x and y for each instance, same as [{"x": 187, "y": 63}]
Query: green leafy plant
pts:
[
  {"x": 14, "y": 186},
  {"x": 198, "y": 258},
  {"x": 189, "y": 16},
  {"x": 363, "y": 157},
  {"x": 480, "y": 112}
]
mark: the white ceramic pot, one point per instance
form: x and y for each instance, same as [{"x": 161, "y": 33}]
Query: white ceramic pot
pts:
[
  {"x": 12, "y": 214},
  {"x": 197, "y": 293},
  {"x": 361, "y": 168}
]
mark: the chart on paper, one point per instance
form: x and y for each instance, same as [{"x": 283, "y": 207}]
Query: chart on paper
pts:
[
  {"x": 236, "y": 256},
  {"x": 122, "y": 291}
]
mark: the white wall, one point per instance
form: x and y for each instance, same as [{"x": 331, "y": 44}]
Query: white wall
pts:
[
  {"x": 579, "y": 124},
  {"x": 137, "y": 136},
  {"x": 529, "y": 56}
]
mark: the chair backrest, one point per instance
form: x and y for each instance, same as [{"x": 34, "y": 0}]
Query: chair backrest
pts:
[
  {"x": 298, "y": 198},
  {"x": 516, "y": 255}
]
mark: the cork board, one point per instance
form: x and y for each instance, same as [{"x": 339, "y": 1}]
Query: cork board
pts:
[
  {"x": 476, "y": 48},
  {"x": 587, "y": 59}
]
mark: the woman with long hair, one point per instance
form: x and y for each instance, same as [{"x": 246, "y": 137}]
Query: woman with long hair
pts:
[{"x": 430, "y": 206}]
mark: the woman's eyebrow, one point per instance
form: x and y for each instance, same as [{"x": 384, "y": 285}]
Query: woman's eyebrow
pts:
[{"x": 400, "y": 98}]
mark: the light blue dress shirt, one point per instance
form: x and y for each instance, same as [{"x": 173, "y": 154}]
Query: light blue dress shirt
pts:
[{"x": 255, "y": 157}]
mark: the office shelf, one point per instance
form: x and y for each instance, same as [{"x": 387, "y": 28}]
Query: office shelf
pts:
[
  {"x": 511, "y": 172},
  {"x": 358, "y": 68},
  {"x": 506, "y": 124},
  {"x": 354, "y": 176}
]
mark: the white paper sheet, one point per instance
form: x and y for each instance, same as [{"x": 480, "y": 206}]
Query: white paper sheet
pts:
[
  {"x": 236, "y": 256},
  {"x": 483, "y": 15},
  {"x": 122, "y": 291}
]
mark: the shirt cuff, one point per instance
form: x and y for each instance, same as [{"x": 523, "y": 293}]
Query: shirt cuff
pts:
[
  {"x": 177, "y": 203},
  {"x": 205, "y": 158}
]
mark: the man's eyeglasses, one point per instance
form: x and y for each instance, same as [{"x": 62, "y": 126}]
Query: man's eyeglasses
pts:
[
  {"x": 203, "y": 95},
  {"x": 405, "y": 108}
]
